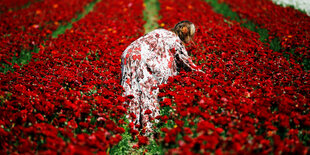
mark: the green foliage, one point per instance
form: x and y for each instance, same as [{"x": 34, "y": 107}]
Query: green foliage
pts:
[
  {"x": 3, "y": 99},
  {"x": 223, "y": 9},
  {"x": 62, "y": 28},
  {"x": 263, "y": 33},
  {"x": 151, "y": 15},
  {"x": 306, "y": 63},
  {"x": 275, "y": 44},
  {"x": 123, "y": 147},
  {"x": 154, "y": 148},
  {"x": 23, "y": 59},
  {"x": 28, "y": 4},
  {"x": 304, "y": 137},
  {"x": 90, "y": 92}
]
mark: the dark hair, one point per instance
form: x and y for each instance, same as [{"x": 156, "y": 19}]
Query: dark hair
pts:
[{"x": 185, "y": 30}]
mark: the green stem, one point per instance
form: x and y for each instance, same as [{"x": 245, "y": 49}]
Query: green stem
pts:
[{"x": 151, "y": 15}]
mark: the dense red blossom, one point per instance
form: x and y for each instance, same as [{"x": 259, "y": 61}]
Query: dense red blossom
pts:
[
  {"x": 27, "y": 28},
  {"x": 289, "y": 25},
  {"x": 12, "y": 5},
  {"x": 68, "y": 98},
  {"x": 142, "y": 140},
  {"x": 250, "y": 99}
]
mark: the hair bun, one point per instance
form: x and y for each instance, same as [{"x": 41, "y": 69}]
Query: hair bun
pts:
[{"x": 184, "y": 29}]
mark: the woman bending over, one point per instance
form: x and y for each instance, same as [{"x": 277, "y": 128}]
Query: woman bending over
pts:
[{"x": 150, "y": 61}]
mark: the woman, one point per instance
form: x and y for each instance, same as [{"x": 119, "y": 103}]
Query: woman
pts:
[{"x": 150, "y": 61}]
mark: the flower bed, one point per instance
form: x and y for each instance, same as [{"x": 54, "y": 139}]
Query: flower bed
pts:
[
  {"x": 302, "y": 5},
  {"x": 289, "y": 25},
  {"x": 251, "y": 99},
  {"x": 68, "y": 98},
  {"x": 11, "y": 5},
  {"x": 28, "y": 28}
]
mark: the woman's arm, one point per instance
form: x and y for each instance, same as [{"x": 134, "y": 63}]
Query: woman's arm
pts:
[{"x": 184, "y": 60}]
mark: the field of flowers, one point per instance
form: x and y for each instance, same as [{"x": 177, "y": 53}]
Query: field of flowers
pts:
[{"x": 62, "y": 93}]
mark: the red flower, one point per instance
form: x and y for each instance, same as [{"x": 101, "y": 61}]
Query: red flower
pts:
[
  {"x": 84, "y": 124},
  {"x": 248, "y": 95},
  {"x": 147, "y": 112},
  {"x": 39, "y": 117},
  {"x": 120, "y": 130},
  {"x": 133, "y": 116},
  {"x": 142, "y": 140},
  {"x": 164, "y": 118},
  {"x": 134, "y": 132},
  {"x": 72, "y": 124}
]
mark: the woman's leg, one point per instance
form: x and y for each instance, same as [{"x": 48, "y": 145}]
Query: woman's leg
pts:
[
  {"x": 139, "y": 82},
  {"x": 149, "y": 103},
  {"x": 131, "y": 87}
]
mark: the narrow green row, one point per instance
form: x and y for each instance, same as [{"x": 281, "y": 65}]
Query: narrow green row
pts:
[
  {"x": 150, "y": 15},
  {"x": 125, "y": 146},
  {"x": 224, "y": 9},
  {"x": 18, "y": 6},
  {"x": 274, "y": 44},
  {"x": 61, "y": 29},
  {"x": 26, "y": 55}
]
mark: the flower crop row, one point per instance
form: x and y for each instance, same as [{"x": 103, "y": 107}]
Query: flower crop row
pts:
[
  {"x": 10, "y": 5},
  {"x": 250, "y": 99},
  {"x": 68, "y": 99},
  {"x": 289, "y": 25},
  {"x": 27, "y": 28}
]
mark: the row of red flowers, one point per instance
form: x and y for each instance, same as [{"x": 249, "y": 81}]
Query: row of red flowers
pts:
[
  {"x": 289, "y": 25},
  {"x": 68, "y": 98},
  {"x": 251, "y": 99},
  {"x": 12, "y": 5},
  {"x": 26, "y": 28}
]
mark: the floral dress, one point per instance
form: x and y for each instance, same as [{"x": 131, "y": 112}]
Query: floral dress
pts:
[{"x": 146, "y": 63}]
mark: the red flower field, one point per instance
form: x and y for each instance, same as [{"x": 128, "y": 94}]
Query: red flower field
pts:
[{"x": 66, "y": 96}]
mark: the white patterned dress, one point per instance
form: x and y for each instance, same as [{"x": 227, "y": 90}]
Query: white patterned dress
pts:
[{"x": 146, "y": 63}]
